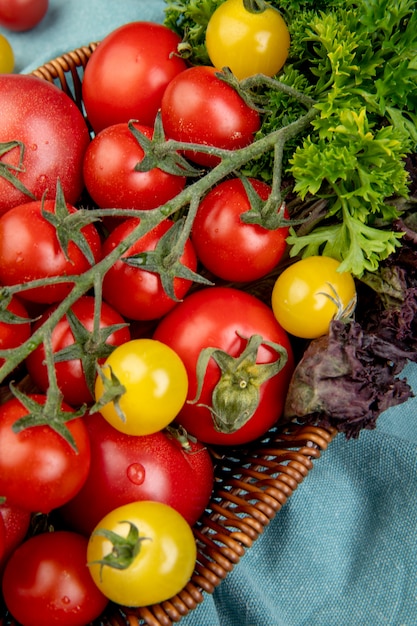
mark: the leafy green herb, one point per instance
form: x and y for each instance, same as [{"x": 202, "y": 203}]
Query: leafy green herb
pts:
[{"x": 358, "y": 60}]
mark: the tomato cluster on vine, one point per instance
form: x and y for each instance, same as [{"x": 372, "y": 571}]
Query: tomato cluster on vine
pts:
[{"x": 127, "y": 244}]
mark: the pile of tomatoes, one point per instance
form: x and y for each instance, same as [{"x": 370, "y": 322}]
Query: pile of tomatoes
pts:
[{"x": 136, "y": 370}]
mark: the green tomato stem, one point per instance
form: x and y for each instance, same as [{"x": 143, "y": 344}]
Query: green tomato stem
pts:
[{"x": 231, "y": 161}]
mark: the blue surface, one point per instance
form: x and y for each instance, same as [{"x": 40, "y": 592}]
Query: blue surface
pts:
[{"x": 343, "y": 550}]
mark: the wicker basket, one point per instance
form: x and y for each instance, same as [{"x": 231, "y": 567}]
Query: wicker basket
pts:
[{"x": 251, "y": 483}]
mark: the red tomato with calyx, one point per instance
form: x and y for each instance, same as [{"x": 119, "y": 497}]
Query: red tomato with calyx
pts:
[
  {"x": 14, "y": 333},
  {"x": 198, "y": 107},
  {"x": 127, "y": 468},
  {"x": 70, "y": 373},
  {"x": 21, "y": 15},
  {"x": 228, "y": 247},
  {"x": 30, "y": 250},
  {"x": 111, "y": 178},
  {"x": 50, "y": 138},
  {"x": 46, "y": 581},
  {"x": 39, "y": 470},
  {"x": 128, "y": 72},
  {"x": 226, "y": 318},
  {"x": 136, "y": 293},
  {"x": 16, "y": 522}
]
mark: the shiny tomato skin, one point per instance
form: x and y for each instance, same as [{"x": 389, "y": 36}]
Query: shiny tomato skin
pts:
[
  {"x": 159, "y": 569},
  {"x": 39, "y": 471},
  {"x": 128, "y": 72},
  {"x": 30, "y": 250},
  {"x": 220, "y": 317},
  {"x": 70, "y": 374},
  {"x": 13, "y": 335},
  {"x": 16, "y": 522},
  {"x": 310, "y": 293},
  {"x": 198, "y": 107},
  {"x": 247, "y": 42},
  {"x": 154, "y": 386},
  {"x": 228, "y": 247},
  {"x": 138, "y": 294},
  {"x": 54, "y": 135},
  {"x": 21, "y": 15},
  {"x": 127, "y": 468},
  {"x": 46, "y": 581},
  {"x": 111, "y": 178}
]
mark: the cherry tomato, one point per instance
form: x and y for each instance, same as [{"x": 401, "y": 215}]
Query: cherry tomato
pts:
[
  {"x": 128, "y": 72},
  {"x": 136, "y": 293},
  {"x": 50, "y": 137},
  {"x": 228, "y": 247},
  {"x": 199, "y": 107},
  {"x": 30, "y": 250},
  {"x": 111, "y": 178},
  {"x": 16, "y": 522},
  {"x": 165, "y": 467},
  {"x": 14, "y": 333},
  {"x": 21, "y": 15},
  {"x": 226, "y": 318},
  {"x": 39, "y": 470},
  {"x": 248, "y": 42},
  {"x": 46, "y": 581},
  {"x": 6, "y": 56},
  {"x": 162, "y": 565},
  {"x": 155, "y": 382},
  {"x": 91, "y": 348},
  {"x": 310, "y": 293}
]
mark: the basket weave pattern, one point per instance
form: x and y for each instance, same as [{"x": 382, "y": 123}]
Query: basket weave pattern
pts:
[{"x": 251, "y": 483}]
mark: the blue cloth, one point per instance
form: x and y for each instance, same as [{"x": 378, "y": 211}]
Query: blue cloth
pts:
[{"x": 343, "y": 550}]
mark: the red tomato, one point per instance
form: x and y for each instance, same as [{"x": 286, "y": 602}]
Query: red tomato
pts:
[
  {"x": 53, "y": 137},
  {"x": 46, "y": 581},
  {"x": 111, "y": 178},
  {"x": 128, "y": 72},
  {"x": 39, "y": 470},
  {"x": 14, "y": 334},
  {"x": 29, "y": 250},
  {"x": 16, "y": 523},
  {"x": 127, "y": 468},
  {"x": 138, "y": 294},
  {"x": 228, "y": 247},
  {"x": 2, "y": 539},
  {"x": 20, "y": 15},
  {"x": 226, "y": 318},
  {"x": 198, "y": 107},
  {"x": 71, "y": 373}
]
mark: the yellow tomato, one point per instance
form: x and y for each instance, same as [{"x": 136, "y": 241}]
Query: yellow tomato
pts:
[
  {"x": 141, "y": 553},
  {"x": 6, "y": 56},
  {"x": 310, "y": 293},
  {"x": 150, "y": 385},
  {"x": 247, "y": 42}
]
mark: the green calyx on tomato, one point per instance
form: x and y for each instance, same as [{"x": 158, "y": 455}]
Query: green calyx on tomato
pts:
[
  {"x": 8, "y": 171},
  {"x": 269, "y": 213},
  {"x": 236, "y": 396},
  {"x": 164, "y": 260},
  {"x": 88, "y": 346},
  {"x": 113, "y": 391},
  {"x": 68, "y": 225},
  {"x": 255, "y": 6},
  {"x": 157, "y": 154},
  {"x": 124, "y": 549},
  {"x": 48, "y": 412}
]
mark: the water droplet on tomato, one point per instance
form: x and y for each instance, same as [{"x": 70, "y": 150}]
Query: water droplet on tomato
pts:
[
  {"x": 136, "y": 473},
  {"x": 66, "y": 600}
]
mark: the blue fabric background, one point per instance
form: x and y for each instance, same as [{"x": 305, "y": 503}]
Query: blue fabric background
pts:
[{"x": 343, "y": 550}]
